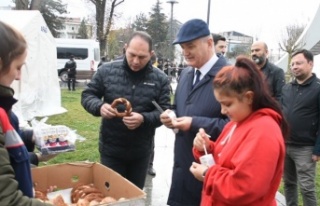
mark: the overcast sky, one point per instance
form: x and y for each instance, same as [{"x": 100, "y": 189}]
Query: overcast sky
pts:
[{"x": 263, "y": 19}]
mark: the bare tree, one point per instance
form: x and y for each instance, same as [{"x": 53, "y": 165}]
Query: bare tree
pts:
[
  {"x": 102, "y": 29},
  {"x": 22, "y": 4},
  {"x": 35, "y": 5},
  {"x": 289, "y": 43}
]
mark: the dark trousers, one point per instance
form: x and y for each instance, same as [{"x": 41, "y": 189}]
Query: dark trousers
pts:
[
  {"x": 135, "y": 170},
  {"x": 73, "y": 79},
  {"x": 152, "y": 154}
]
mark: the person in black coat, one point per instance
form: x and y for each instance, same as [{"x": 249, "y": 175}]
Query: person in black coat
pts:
[
  {"x": 125, "y": 143},
  {"x": 71, "y": 67},
  {"x": 273, "y": 74},
  {"x": 301, "y": 107}
]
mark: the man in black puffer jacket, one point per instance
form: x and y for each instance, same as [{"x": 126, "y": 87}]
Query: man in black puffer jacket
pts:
[{"x": 125, "y": 143}]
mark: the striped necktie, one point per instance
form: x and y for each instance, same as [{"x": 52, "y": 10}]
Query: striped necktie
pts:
[{"x": 198, "y": 74}]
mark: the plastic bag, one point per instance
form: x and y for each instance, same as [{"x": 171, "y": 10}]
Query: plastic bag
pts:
[{"x": 53, "y": 139}]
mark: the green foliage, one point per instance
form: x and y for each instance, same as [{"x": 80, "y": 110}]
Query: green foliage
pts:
[
  {"x": 157, "y": 25},
  {"x": 114, "y": 45},
  {"x": 83, "y": 30},
  {"x": 51, "y": 11},
  {"x": 140, "y": 23},
  {"x": 281, "y": 189},
  {"x": 116, "y": 41}
]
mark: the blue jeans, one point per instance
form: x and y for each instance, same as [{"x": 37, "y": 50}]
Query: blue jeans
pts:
[{"x": 299, "y": 169}]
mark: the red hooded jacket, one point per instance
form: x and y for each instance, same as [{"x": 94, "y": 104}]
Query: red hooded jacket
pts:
[{"x": 249, "y": 165}]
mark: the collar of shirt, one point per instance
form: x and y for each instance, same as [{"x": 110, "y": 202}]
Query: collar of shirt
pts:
[{"x": 207, "y": 66}]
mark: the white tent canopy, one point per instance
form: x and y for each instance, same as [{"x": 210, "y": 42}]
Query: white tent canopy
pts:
[{"x": 38, "y": 91}]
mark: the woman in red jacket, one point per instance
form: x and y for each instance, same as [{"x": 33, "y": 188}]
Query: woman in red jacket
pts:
[{"x": 249, "y": 153}]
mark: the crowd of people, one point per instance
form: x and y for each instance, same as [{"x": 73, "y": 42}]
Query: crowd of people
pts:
[{"x": 258, "y": 129}]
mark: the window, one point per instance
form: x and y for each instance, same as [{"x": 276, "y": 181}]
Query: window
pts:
[{"x": 78, "y": 53}]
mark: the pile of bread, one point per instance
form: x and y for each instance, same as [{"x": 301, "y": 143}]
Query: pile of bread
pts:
[{"x": 81, "y": 195}]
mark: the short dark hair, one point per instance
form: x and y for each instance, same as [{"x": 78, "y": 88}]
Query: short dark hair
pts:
[
  {"x": 306, "y": 53},
  {"x": 144, "y": 35},
  {"x": 218, "y": 37}
]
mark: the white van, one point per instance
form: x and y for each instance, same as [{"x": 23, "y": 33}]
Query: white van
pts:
[{"x": 86, "y": 54}]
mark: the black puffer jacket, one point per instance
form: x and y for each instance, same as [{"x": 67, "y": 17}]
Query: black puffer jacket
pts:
[
  {"x": 114, "y": 80},
  {"x": 275, "y": 79},
  {"x": 301, "y": 107}
]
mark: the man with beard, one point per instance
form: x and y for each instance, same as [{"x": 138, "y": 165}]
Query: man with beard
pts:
[
  {"x": 301, "y": 107},
  {"x": 273, "y": 74}
]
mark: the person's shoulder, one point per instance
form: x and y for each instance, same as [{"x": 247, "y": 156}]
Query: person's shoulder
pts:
[
  {"x": 111, "y": 64},
  {"x": 316, "y": 80},
  {"x": 274, "y": 67},
  {"x": 222, "y": 61},
  {"x": 158, "y": 72}
]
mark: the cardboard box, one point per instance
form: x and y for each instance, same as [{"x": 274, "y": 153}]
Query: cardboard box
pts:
[{"x": 106, "y": 180}]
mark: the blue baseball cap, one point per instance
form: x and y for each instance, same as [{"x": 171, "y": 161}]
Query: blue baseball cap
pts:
[{"x": 191, "y": 30}]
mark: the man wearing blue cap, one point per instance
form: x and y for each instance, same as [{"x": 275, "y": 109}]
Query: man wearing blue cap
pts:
[{"x": 196, "y": 107}]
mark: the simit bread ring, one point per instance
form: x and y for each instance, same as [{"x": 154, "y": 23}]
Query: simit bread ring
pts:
[
  {"x": 85, "y": 193},
  {"x": 126, "y": 103}
]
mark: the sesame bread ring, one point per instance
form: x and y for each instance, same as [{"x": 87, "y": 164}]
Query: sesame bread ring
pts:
[{"x": 127, "y": 105}]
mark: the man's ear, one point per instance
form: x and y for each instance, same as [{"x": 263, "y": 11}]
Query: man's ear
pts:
[
  {"x": 311, "y": 64},
  {"x": 0, "y": 64}
]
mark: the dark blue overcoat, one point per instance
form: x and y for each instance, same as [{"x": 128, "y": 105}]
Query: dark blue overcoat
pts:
[{"x": 200, "y": 104}]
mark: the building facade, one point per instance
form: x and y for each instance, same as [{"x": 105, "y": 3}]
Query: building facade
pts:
[{"x": 71, "y": 27}]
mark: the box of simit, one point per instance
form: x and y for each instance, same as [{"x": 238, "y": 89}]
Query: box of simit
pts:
[{"x": 90, "y": 182}]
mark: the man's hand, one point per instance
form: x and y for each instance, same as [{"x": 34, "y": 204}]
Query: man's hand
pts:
[
  {"x": 182, "y": 123},
  {"x": 315, "y": 158},
  {"x": 133, "y": 121},
  {"x": 165, "y": 118},
  {"x": 106, "y": 111}
]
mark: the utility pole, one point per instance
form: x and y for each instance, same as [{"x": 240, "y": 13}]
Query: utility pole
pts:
[
  {"x": 172, "y": 2},
  {"x": 208, "y": 13},
  {"x": 171, "y": 53}
]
